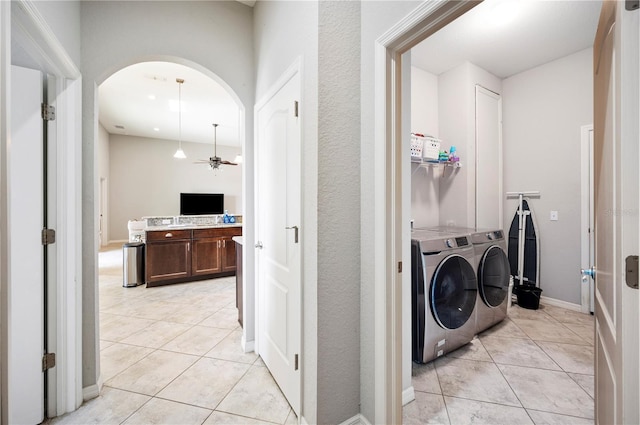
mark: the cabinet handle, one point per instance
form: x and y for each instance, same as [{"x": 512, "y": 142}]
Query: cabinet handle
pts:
[
  {"x": 224, "y": 243},
  {"x": 168, "y": 235}
]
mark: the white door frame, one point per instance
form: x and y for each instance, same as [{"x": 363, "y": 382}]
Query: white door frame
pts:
[
  {"x": 35, "y": 36},
  {"x": 388, "y": 247},
  {"x": 586, "y": 215}
]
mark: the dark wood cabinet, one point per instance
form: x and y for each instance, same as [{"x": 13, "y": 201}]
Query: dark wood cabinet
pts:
[
  {"x": 183, "y": 255},
  {"x": 239, "y": 303},
  {"x": 168, "y": 256}
]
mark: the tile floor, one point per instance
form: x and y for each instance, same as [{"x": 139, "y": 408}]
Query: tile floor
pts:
[
  {"x": 536, "y": 367},
  {"x": 171, "y": 355}
]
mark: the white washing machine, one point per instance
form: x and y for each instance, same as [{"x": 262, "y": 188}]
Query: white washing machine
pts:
[
  {"x": 444, "y": 293},
  {"x": 492, "y": 271}
]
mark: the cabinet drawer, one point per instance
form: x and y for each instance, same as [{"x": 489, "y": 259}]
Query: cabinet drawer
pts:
[
  {"x": 163, "y": 235},
  {"x": 217, "y": 232}
]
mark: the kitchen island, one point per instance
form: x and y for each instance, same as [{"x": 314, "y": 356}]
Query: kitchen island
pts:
[{"x": 186, "y": 252}]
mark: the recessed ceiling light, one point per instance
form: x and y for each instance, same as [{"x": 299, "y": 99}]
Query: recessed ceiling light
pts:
[
  {"x": 152, "y": 97},
  {"x": 156, "y": 129}
]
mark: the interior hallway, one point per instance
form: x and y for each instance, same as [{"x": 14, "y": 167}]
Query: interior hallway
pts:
[{"x": 172, "y": 355}]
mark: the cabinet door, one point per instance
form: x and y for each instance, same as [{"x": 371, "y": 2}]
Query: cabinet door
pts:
[
  {"x": 206, "y": 256},
  {"x": 168, "y": 260},
  {"x": 228, "y": 255}
]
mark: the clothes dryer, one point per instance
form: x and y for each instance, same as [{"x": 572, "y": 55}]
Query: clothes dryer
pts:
[
  {"x": 444, "y": 293},
  {"x": 492, "y": 271},
  {"x": 490, "y": 247}
]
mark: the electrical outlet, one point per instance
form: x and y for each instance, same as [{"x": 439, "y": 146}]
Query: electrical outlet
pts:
[
  {"x": 166, "y": 221},
  {"x": 553, "y": 216}
]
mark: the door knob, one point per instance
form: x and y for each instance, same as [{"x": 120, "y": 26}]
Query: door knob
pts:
[
  {"x": 259, "y": 245},
  {"x": 589, "y": 272}
]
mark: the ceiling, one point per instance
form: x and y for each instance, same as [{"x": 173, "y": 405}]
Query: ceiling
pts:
[
  {"x": 506, "y": 37},
  {"x": 143, "y": 100}
]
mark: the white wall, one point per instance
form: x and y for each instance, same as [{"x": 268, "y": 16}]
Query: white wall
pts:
[
  {"x": 283, "y": 32},
  {"x": 543, "y": 110},
  {"x": 425, "y": 181},
  {"x": 213, "y": 37},
  {"x": 146, "y": 180},
  {"x": 457, "y": 128}
]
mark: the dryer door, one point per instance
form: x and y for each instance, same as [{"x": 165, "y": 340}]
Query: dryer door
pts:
[
  {"x": 493, "y": 276},
  {"x": 453, "y": 292}
]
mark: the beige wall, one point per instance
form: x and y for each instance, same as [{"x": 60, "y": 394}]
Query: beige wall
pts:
[
  {"x": 544, "y": 109},
  {"x": 146, "y": 180}
]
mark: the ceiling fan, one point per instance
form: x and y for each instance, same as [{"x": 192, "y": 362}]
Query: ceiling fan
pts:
[{"x": 215, "y": 161}]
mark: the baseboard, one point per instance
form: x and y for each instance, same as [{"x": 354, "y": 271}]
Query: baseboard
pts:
[
  {"x": 92, "y": 391},
  {"x": 408, "y": 395},
  {"x": 356, "y": 420},
  {"x": 559, "y": 303},
  {"x": 117, "y": 241},
  {"x": 247, "y": 346}
]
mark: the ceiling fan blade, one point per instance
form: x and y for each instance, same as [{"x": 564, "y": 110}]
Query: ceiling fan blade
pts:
[
  {"x": 202, "y": 161},
  {"x": 228, "y": 163}
]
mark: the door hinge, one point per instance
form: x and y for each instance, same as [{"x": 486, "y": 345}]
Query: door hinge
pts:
[
  {"x": 48, "y": 112},
  {"x": 48, "y": 236},
  {"x": 399, "y": 266},
  {"x": 631, "y": 267},
  {"x": 295, "y": 108},
  {"x": 48, "y": 361},
  {"x": 295, "y": 362},
  {"x": 632, "y": 4}
]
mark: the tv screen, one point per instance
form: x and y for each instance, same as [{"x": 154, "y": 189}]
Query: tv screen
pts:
[{"x": 201, "y": 203}]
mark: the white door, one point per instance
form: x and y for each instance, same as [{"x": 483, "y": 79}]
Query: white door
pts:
[
  {"x": 279, "y": 236},
  {"x": 616, "y": 51},
  {"x": 488, "y": 159},
  {"x": 587, "y": 254},
  {"x": 26, "y": 254}
]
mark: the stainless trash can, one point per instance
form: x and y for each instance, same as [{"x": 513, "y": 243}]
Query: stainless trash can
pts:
[{"x": 133, "y": 264}]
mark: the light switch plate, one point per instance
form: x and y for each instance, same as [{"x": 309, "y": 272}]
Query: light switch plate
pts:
[{"x": 553, "y": 216}]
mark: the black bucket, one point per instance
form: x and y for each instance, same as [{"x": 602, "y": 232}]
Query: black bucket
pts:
[{"x": 528, "y": 296}]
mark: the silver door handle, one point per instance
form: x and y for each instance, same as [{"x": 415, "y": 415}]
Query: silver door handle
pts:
[
  {"x": 259, "y": 245},
  {"x": 589, "y": 272},
  {"x": 295, "y": 237}
]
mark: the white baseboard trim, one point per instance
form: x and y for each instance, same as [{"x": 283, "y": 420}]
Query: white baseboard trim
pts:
[
  {"x": 247, "y": 346},
  {"x": 356, "y": 420},
  {"x": 559, "y": 303},
  {"x": 408, "y": 395},
  {"x": 92, "y": 391},
  {"x": 117, "y": 241}
]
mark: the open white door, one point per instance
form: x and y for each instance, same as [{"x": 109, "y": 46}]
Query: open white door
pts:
[
  {"x": 616, "y": 93},
  {"x": 278, "y": 274},
  {"x": 26, "y": 254}
]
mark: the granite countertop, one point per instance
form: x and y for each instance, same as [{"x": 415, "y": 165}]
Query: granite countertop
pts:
[{"x": 167, "y": 227}]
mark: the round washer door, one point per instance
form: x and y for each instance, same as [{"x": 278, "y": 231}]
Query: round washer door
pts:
[
  {"x": 493, "y": 276},
  {"x": 453, "y": 292}
]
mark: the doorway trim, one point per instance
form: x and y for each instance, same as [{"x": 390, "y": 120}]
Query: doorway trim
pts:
[
  {"x": 586, "y": 214},
  {"x": 64, "y": 316},
  {"x": 424, "y": 21}
]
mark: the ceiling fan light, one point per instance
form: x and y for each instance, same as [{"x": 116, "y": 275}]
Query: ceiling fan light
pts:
[
  {"x": 179, "y": 154},
  {"x": 238, "y": 159}
]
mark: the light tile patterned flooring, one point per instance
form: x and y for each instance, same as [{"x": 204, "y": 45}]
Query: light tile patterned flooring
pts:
[
  {"x": 172, "y": 355},
  {"x": 536, "y": 367}
]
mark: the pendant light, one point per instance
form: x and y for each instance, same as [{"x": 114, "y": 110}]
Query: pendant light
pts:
[{"x": 179, "y": 153}]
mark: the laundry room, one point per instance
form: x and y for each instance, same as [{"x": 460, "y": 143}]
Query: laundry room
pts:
[{"x": 501, "y": 108}]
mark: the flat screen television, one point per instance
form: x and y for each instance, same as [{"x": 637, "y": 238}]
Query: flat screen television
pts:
[{"x": 201, "y": 203}]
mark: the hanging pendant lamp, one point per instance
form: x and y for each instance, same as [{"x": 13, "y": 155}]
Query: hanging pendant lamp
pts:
[{"x": 179, "y": 153}]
